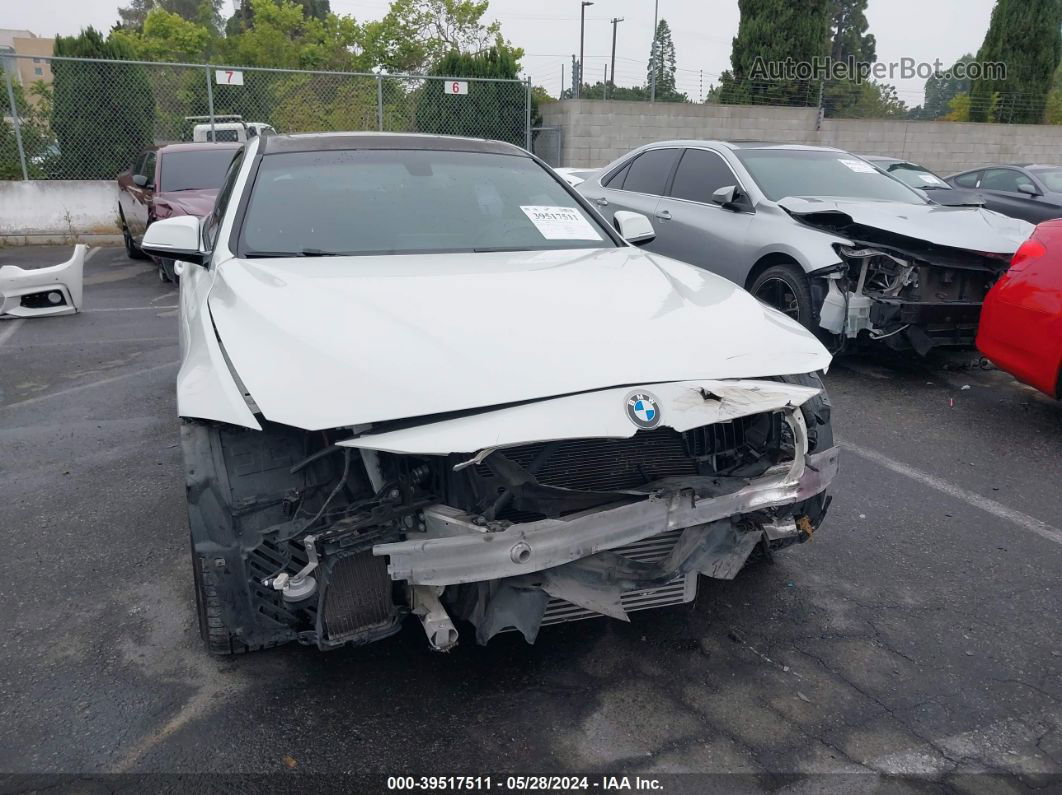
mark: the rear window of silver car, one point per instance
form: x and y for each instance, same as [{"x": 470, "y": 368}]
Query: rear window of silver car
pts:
[
  {"x": 325, "y": 203},
  {"x": 793, "y": 172}
]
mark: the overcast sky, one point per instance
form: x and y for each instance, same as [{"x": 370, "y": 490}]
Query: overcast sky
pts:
[{"x": 924, "y": 30}]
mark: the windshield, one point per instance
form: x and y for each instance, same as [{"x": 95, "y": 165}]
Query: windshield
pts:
[
  {"x": 1051, "y": 177},
  {"x": 402, "y": 202},
  {"x": 789, "y": 172},
  {"x": 917, "y": 177},
  {"x": 195, "y": 170}
]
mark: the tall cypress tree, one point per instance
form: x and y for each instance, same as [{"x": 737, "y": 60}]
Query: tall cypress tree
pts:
[
  {"x": 775, "y": 31},
  {"x": 1025, "y": 36},
  {"x": 664, "y": 48}
]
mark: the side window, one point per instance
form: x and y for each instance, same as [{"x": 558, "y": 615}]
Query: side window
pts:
[
  {"x": 1003, "y": 179},
  {"x": 699, "y": 175},
  {"x": 213, "y": 221},
  {"x": 649, "y": 173},
  {"x": 149, "y": 168},
  {"x": 138, "y": 164},
  {"x": 968, "y": 180},
  {"x": 615, "y": 179}
]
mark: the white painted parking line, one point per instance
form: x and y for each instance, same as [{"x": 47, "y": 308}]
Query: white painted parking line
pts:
[
  {"x": 9, "y": 329},
  {"x": 102, "y": 382},
  {"x": 130, "y": 309},
  {"x": 1023, "y": 520},
  {"x": 119, "y": 341},
  {"x": 90, "y": 252}
]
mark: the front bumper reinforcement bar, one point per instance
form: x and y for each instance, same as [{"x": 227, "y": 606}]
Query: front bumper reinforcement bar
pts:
[{"x": 469, "y": 553}]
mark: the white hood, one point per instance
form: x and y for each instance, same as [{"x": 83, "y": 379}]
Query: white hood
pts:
[{"x": 328, "y": 342}]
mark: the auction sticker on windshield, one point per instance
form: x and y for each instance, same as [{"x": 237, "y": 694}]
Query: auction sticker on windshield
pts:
[
  {"x": 560, "y": 223},
  {"x": 860, "y": 166}
]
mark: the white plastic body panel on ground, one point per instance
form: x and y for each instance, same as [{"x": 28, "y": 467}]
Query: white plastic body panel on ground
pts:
[
  {"x": 64, "y": 279},
  {"x": 601, "y": 414}
]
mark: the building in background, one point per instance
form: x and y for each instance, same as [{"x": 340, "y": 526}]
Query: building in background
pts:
[{"x": 35, "y": 66}]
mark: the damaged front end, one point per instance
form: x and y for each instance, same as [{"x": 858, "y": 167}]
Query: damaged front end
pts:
[
  {"x": 906, "y": 292},
  {"x": 617, "y": 511}
]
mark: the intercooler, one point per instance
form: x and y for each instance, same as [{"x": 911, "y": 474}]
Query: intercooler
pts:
[{"x": 680, "y": 590}]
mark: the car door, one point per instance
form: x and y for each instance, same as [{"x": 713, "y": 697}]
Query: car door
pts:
[
  {"x": 1001, "y": 189},
  {"x": 127, "y": 188},
  {"x": 638, "y": 185},
  {"x": 692, "y": 228},
  {"x": 140, "y": 196}
]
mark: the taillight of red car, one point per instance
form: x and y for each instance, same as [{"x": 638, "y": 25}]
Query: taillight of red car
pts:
[{"x": 1031, "y": 249}]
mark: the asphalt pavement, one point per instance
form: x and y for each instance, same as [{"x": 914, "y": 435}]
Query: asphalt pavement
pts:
[{"x": 918, "y": 633}]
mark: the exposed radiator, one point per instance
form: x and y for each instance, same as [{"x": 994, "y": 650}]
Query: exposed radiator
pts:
[{"x": 358, "y": 597}]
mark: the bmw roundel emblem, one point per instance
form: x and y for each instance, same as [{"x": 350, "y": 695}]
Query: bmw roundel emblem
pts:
[{"x": 643, "y": 409}]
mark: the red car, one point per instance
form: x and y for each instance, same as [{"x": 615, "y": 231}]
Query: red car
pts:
[
  {"x": 1021, "y": 322},
  {"x": 179, "y": 179}
]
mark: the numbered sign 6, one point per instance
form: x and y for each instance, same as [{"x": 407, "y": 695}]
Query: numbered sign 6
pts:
[
  {"x": 455, "y": 87},
  {"x": 228, "y": 77}
]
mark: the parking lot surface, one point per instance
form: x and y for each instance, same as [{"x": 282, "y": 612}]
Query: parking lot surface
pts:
[{"x": 918, "y": 633}]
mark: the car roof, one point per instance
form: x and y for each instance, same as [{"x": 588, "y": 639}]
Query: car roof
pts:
[
  {"x": 339, "y": 141},
  {"x": 197, "y": 147},
  {"x": 740, "y": 144}
]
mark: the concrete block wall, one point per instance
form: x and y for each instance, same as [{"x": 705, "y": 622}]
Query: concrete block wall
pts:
[
  {"x": 58, "y": 211},
  {"x": 595, "y": 133}
]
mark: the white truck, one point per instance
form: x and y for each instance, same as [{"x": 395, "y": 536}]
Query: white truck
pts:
[{"x": 227, "y": 128}]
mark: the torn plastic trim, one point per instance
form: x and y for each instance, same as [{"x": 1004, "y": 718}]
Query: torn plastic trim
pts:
[
  {"x": 469, "y": 554},
  {"x": 601, "y": 414}
]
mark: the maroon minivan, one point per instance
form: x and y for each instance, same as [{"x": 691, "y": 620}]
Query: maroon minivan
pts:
[{"x": 166, "y": 181}]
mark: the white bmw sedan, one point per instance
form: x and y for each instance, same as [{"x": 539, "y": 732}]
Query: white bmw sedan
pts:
[{"x": 421, "y": 375}]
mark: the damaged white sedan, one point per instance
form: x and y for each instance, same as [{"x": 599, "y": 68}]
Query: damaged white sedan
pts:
[{"x": 420, "y": 375}]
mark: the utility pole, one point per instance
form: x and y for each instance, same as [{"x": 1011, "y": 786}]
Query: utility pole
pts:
[
  {"x": 582, "y": 36},
  {"x": 652, "y": 54},
  {"x": 577, "y": 77},
  {"x": 561, "y": 95},
  {"x": 615, "y": 23}
]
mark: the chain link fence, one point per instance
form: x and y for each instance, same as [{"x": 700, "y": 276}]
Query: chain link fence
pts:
[{"x": 94, "y": 116}]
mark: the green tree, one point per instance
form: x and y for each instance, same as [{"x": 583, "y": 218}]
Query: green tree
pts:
[
  {"x": 207, "y": 12},
  {"x": 37, "y": 139},
  {"x": 415, "y": 35},
  {"x": 243, "y": 18},
  {"x": 1053, "y": 112},
  {"x": 166, "y": 36},
  {"x": 663, "y": 64},
  {"x": 941, "y": 89},
  {"x": 283, "y": 36},
  {"x": 850, "y": 44},
  {"x": 102, "y": 113},
  {"x": 775, "y": 32},
  {"x": 489, "y": 110},
  {"x": 1026, "y": 36}
]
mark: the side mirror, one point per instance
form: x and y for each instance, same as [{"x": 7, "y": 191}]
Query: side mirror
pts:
[
  {"x": 725, "y": 196},
  {"x": 175, "y": 238},
  {"x": 1028, "y": 189},
  {"x": 140, "y": 180},
  {"x": 635, "y": 228}
]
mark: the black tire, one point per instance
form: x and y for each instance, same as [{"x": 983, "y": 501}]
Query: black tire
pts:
[
  {"x": 785, "y": 287},
  {"x": 226, "y": 467},
  {"x": 166, "y": 271},
  {"x": 212, "y": 627},
  {"x": 131, "y": 249}
]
